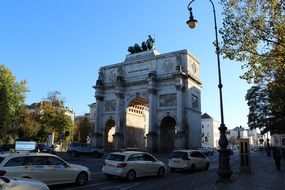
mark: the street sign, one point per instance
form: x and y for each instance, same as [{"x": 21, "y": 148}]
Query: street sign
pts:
[{"x": 25, "y": 145}]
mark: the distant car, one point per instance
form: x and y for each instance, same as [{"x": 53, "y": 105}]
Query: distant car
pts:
[
  {"x": 132, "y": 164},
  {"x": 256, "y": 149},
  {"x": 6, "y": 147},
  {"x": 44, "y": 167},
  {"x": 76, "y": 149},
  {"x": 12, "y": 183},
  {"x": 207, "y": 151},
  {"x": 44, "y": 148},
  {"x": 188, "y": 160}
]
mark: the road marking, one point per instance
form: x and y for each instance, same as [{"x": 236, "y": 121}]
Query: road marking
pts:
[
  {"x": 120, "y": 186},
  {"x": 131, "y": 186},
  {"x": 91, "y": 185}
]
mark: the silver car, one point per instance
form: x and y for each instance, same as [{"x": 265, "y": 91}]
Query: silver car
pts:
[
  {"x": 12, "y": 183},
  {"x": 132, "y": 164},
  {"x": 44, "y": 167},
  {"x": 188, "y": 160}
]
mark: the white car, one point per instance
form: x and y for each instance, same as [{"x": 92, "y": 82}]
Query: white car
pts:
[
  {"x": 132, "y": 164},
  {"x": 44, "y": 167},
  {"x": 188, "y": 160},
  {"x": 12, "y": 183}
]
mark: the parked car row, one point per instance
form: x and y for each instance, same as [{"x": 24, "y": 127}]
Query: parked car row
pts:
[
  {"x": 129, "y": 164},
  {"x": 132, "y": 164}
]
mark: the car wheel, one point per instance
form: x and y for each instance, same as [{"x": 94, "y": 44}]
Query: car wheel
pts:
[
  {"x": 161, "y": 172},
  {"x": 172, "y": 169},
  {"x": 73, "y": 153},
  {"x": 131, "y": 176},
  {"x": 207, "y": 166},
  {"x": 82, "y": 179}
]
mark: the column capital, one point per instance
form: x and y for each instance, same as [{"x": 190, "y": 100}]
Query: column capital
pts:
[
  {"x": 99, "y": 97},
  {"x": 119, "y": 95},
  {"x": 152, "y": 91}
]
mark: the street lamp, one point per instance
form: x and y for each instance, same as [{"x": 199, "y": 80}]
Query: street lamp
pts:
[{"x": 224, "y": 170}]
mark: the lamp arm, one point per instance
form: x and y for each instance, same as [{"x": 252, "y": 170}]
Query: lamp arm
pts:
[{"x": 190, "y": 4}]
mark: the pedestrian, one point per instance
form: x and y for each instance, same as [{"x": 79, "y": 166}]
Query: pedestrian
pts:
[{"x": 277, "y": 158}]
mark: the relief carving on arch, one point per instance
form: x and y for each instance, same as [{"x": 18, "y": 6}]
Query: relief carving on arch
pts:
[
  {"x": 110, "y": 105},
  {"x": 167, "y": 100}
]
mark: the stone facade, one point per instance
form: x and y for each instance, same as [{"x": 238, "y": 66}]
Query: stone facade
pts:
[{"x": 150, "y": 100}]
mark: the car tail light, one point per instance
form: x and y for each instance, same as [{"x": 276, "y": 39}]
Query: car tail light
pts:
[
  {"x": 121, "y": 165},
  {"x": 2, "y": 172}
]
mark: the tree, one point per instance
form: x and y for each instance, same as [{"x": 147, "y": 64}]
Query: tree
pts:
[
  {"x": 83, "y": 129},
  {"x": 53, "y": 117},
  {"x": 276, "y": 91},
  {"x": 12, "y": 97},
  {"x": 253, "y": 32},
  {"x": 28, "y": 127},
  {"x": 259, "y": 107}
]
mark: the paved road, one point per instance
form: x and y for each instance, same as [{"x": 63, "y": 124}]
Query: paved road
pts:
[{"x": 178, "y": 180}]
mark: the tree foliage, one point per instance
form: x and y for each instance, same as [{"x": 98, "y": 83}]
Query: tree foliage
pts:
[
  {"x": 53, "y": 117},
  {"x": 253, "y": 32},
  {"x": 12, "y": 97},
  {"x": 83, "y": 129},
  {"x": 259, "y": 107}
]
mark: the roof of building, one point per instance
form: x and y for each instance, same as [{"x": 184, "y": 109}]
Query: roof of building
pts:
[{"x": 206, "y": 116}]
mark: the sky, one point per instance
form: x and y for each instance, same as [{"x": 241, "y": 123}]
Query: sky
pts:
[{"x": 59, "y": 45}]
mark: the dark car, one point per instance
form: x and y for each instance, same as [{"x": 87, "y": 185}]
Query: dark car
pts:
[
  {"x": 207, "y": 151},
  {"x": 6, "y": 147},
  {"x": 45, "y": 148},
  {"x": 76, "y": 149}
]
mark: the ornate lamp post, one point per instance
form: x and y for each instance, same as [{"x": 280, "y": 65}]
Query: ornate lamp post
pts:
[{"x": 224, "y": 170}]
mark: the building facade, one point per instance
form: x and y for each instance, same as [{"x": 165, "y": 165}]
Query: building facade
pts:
[
  {"x": 150, "y": 100},
  {"x": 210, "y": 131}
]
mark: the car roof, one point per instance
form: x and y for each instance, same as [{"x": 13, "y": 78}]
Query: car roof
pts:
[
  {"x": 185, "y": 150},
  {"x": 127, "y": 153},
  {"x": 19, "y": 154}
]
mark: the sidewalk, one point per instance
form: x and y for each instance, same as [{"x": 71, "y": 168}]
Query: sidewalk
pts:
[{"x": 263, "y": 176}]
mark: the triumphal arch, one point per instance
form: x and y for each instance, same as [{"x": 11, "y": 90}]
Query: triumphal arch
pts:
[{"x": 150, "y": 100}]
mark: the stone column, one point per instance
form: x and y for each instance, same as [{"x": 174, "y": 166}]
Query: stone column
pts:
[
  {"x": 152, "y": 137},
  {"x": 97, "y": 136},
  {"x": 118, "y": 137},
  {"x": 180, "y": 138}
]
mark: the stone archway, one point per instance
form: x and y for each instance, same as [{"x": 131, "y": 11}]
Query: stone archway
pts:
[
  {"x": 109, "y": 132},
  {"x": 136, "y": 123},
  {"x": 167, "y": 134}
]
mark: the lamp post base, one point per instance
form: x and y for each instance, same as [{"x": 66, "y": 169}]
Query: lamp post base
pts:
[{"x": 224, "y": 170}]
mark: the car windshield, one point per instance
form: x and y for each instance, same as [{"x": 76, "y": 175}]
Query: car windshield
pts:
[
  {"x": 178, "y": 154},
  {"x": 1, "y": 159},
  {"x": 116, "y": 157}
]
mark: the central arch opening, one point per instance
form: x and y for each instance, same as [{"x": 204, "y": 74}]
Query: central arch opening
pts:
[{"x": 137, "y": 123}]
